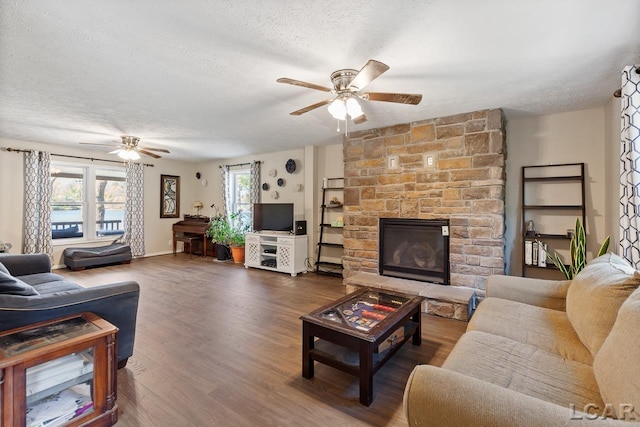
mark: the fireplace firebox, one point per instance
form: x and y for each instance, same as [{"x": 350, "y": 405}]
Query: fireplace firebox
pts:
[{"x": 415, "y": 249}]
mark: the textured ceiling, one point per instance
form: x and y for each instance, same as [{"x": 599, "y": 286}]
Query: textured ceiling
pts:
[{"x": 199, "y": 77}]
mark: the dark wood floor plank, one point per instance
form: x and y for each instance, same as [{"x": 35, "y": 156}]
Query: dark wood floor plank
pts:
[{"x": 220, "y": 345}]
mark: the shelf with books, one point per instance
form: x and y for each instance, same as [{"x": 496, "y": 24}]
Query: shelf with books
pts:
[
  {"x": 552, "y": 197},
  {"x": 59, "y": 372}
]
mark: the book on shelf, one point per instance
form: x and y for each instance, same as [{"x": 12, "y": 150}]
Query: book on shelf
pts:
[
  {"x": 528, "y": 252},
  {"x": 542, "y": 254}
]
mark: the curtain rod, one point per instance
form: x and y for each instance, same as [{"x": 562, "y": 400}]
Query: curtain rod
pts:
[
  {"x": 618, "y": 92},
  {"x": 18, "y": 150},
  {"x": 241, "y": 164}
]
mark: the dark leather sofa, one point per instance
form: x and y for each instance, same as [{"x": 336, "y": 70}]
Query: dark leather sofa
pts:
[{"x": 31, "y": 293}]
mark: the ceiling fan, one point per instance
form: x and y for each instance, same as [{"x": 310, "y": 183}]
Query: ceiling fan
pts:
[
  {"x": 347, "y": 85},
  {"x": 129, "y": 148}
]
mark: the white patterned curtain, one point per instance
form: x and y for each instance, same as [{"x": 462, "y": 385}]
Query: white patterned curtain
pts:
[
  {"x": 224, "y": 178},
  {"x": 254, "y": 185},
  {"x": 630, "y": 167},
  {"x": 134, "y": 209},
  {"x": 37, "y": 203}
]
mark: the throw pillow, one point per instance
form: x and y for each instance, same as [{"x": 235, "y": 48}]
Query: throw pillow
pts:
[
  {"x": 617, "y": 365},
  {"x": 13, "y": 286},
  {"x": 595, "y": 296}
]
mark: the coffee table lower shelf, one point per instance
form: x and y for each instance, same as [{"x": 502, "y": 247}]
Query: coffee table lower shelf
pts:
[{"x": 352, "y": 355}]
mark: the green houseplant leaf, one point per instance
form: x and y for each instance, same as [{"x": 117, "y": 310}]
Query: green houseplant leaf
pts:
[
  {"x": 577, "y": 253},
  {"x": 219, "y": 230},
  {"x": 230, "y": 231}
]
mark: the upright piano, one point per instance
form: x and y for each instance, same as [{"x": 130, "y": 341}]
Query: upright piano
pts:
[{"x": 192, "y": 229}]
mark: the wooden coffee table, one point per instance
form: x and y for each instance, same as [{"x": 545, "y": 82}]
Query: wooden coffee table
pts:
[{"x": 358, "y": 333}]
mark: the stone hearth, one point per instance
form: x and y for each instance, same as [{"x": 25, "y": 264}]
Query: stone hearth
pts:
[{"x": 447, "y": 168}]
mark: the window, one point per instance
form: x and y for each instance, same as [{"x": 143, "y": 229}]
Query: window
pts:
[
  {"x": 87, "y": 201},
  {"x": 240, "y": 193}
]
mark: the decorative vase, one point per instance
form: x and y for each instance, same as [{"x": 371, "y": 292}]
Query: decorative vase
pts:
[{"x": 238, "y": 254}]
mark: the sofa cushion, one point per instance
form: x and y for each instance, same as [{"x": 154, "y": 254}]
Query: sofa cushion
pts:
[
  {"x": 525, "y": 369},
  {"x": 617, "y": 365},
  {"x": 14, "y": 286},
  {"x": 3, "y": 269},
  {"x": 40, "y": 278},
  {"x": 595, "y": 296},
  {"x": 547, "y": 329}
]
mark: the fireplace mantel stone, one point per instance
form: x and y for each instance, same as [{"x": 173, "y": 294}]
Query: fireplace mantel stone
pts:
[{"x": 445, "y": 301}]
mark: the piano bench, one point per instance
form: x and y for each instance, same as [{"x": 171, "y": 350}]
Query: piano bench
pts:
[{"x": 190, "y": 240}]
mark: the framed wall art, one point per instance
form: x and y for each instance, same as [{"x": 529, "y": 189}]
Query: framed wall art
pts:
[{"x": 169, "y": 196}]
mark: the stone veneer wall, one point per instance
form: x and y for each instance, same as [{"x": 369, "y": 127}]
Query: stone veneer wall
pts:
[{"x": 465, "y": 184}]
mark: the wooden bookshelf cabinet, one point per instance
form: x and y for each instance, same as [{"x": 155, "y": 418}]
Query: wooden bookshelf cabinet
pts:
[{"x": 60, "y": 372}]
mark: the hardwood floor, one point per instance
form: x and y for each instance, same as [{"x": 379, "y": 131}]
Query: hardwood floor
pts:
[{"x": 220, "y": 345}]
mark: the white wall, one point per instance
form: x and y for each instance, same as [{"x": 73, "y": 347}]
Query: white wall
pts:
[{"x": 573, "y": 137}]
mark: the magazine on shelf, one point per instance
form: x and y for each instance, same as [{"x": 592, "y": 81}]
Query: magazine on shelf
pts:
[{"x": 57, "y": 409}]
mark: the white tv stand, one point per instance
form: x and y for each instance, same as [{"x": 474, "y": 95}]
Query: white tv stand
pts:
[{"x": 275, "y": 251}]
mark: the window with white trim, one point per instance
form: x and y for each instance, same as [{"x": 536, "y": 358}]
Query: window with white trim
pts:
[
  {"x": 87, "y": 201},
  {"x": 240, "y": 193}
]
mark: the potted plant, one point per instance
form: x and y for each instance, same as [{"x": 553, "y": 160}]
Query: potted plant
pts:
[
  {"x": 239, "y": 226},
  {"x": 219, "y": 231},
  {"x": 577, "y": 252}
]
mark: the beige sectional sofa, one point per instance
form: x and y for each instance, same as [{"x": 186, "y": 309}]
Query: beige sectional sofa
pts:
[{"x": 541, "y": 353}]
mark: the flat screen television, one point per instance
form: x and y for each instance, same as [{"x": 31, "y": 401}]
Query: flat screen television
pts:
[{"x": 273, "y": 217}]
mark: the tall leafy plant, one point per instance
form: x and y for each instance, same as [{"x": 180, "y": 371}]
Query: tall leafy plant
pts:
[{"x": 577, "y": 253}]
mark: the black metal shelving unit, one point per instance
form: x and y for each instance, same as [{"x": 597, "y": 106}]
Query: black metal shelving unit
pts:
[
  {"x": 569, "y": 174},
  {"x": 331, "y": 187}
]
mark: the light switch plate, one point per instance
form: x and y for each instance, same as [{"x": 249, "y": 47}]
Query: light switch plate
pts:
[
  {"x": 393, "y": 162},
  {"x": 430, "y": 160}
]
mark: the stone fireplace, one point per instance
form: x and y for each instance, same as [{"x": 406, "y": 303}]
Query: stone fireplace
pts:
[{"x": 448, "y": 168}]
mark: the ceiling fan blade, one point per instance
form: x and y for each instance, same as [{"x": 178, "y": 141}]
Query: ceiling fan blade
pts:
[
  {"x": 311, "y": 107},
  {"x": 116, "y": 151},
  {"x": 161, "y": 150},
  {"x": 148, "y": 153},
  {"x": 371, "y": 71},
  {"x": 303, "y": 84},
  {"x": 102, "y": 145},
  {"x": 360, "y": 119},
  {"x": 400, "y": 98}
]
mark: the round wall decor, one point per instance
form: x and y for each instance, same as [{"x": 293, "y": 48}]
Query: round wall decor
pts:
[
  {"x": 274, "y": 195},
  {"x": 290, "y": 166},
  {"x": 273, "y": 172},
  {"x": 265, "y": 186},
  {"x": 280, "y": 182},
  {"x": 204, "y": 182}
]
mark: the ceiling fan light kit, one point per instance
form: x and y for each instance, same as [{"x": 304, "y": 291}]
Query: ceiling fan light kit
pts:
[
  {"x": 128, "y": 154},
  {"x": 129, "y": 149},
  {"x": 347, "y": 84}
]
